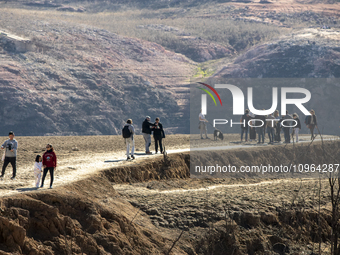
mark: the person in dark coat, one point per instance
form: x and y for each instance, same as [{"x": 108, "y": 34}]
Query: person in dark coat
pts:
[
  {"x": 277, "y": 136},
  {"x": 158, "y": 135},
  {"x": 311, "y": 123},
  {"x": 286, "y": 123},
  {"x": 252, "y": 131},
  {"x": 270, "y": 121},
  {"x": 260, "y": 122},
  {"x": 244, "y": 128},
  {"x": 147, "y": 128}
]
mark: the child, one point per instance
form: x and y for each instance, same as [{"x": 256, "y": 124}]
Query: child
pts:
[{"x": 37, "y": 170}]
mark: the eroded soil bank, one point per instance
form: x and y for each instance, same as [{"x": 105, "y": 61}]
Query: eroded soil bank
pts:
[{"x": 142, "y": 208}]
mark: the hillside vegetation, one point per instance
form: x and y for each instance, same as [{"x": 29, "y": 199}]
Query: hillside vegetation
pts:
[{"x": 96, "y": 63}]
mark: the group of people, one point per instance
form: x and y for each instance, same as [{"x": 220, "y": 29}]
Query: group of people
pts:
[
  {"x": 147, "y": 129},
  {"x": 252, "y": 124},
  {"x": 48, "y": 161},
  {"x": 43, "y": 164},
  {"x": 273, "y": 124}
]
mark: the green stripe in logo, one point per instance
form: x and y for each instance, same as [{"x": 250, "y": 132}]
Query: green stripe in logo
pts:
[{"x": 209, "y": 94}]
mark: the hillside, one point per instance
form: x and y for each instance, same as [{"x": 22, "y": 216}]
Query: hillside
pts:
[
  {"x": 92, "y": 67},
  {"x": 73, "y": 71},
  {"x": 307, "y": 53},
  {"x": 82, "y": 80}
]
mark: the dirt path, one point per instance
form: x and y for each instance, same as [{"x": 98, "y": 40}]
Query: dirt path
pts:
[{"x": 86, "y": 156}]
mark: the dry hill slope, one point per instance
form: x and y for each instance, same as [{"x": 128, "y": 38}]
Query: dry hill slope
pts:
[{"x": 81, "y": 80}]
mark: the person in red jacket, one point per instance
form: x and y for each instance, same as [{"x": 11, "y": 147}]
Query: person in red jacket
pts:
[{"x": 49, "y": 164}]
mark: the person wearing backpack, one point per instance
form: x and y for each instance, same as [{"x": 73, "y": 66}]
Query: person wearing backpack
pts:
[
  {"x": 158, "y": 135},
  {"x": 128, "y": 132}
]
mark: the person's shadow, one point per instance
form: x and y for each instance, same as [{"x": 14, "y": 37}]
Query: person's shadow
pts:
[
  {"x": 141, "y": 153},
  {"x": 26, "y": 189},
  {"x": 114, "y": 160},
  {"x": 239, "y": 142}
]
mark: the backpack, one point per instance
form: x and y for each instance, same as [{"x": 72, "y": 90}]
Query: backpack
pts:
[{"x": 126, "y": 132}]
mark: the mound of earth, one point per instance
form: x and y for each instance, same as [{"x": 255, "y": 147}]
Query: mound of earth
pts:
[
  {"x": 75, "y": 220},
  {"x": 310, "y": 53}
]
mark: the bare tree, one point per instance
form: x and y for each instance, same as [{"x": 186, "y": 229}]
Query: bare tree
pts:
[{"x": 334, "y": 184}]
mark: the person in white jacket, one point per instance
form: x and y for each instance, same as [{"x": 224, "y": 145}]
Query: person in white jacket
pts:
[{"x": 37, "y": 170}]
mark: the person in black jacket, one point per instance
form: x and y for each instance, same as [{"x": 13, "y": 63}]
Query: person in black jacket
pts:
[
  {"x": 158, "y": 135},
  {"x": 286, "y": 123},
  {"x": 277, "y": 136},
  {"x": 147, "y": 127},
  {"x": 311, "y": 123},
  {"x": 260, "y": 123},
  {"x": 252, "y": 131},
  {"x": 297, "y": 128},
  {"x": 244, "y": 128}
]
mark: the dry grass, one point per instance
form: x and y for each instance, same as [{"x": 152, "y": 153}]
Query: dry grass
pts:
[{"x": 226, "y": 32}]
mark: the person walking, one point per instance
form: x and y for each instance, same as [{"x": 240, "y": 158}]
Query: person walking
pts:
[
  {"x": 202, "y": 125},
  {"x": 270, "y": 127},
  {"x": 10, "y": 146},
  {"x": 147, "y": 127},
  {"x": 128, "y": 132},
  {"x": 260, "y": 123},
  {"x": 286, "y": 126},
  {"x": 277, "y": 126},
  {"x": 252, "y": 130},
  {"x": 245, "y": 126},
  {"x": 311, "y": 123},
  {"x": 297, "y": 128},
  {"x": 49, "y": 164},
  {"x": 158, "y": 135},
  {"x": 37, "y": 170}
]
